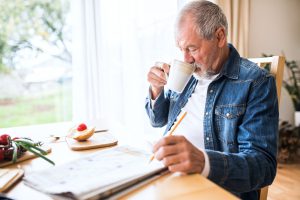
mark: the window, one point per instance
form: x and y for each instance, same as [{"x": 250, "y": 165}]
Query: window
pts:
[
  {"x": 113, "y": 52},
  {"x": 35, "y": 62},
  {"x": 116, "y": 42}
]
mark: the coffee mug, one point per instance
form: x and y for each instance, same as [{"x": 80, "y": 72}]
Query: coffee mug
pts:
[{"x": 179, "y": 75}]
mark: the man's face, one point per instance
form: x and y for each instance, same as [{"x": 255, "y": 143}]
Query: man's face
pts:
[{"x": 204, "y": 53}]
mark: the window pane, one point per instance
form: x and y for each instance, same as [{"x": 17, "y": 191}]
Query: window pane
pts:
[{"x": 35, "y": 62}]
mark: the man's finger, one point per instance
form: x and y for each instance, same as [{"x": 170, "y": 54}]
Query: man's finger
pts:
[
  {"x": 159, "y": 72},
  {"x": 156, "y": 81},
  {"x": 166, "y": 151},
  {"x": 168, "y": 140},
  {"x": 172, "y": 160},
  {"x": 166, "y": 68}
]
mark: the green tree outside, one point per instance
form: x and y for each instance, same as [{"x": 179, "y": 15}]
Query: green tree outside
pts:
[
  {"x": 24, "y": 22},
  {"x": 35, "y": 27}
]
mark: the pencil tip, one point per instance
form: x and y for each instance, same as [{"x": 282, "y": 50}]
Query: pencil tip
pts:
[{"x": 152, "y": 157}]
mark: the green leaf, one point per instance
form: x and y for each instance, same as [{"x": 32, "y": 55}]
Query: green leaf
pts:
[
  {"x": 30, "y": 146},
  {"x": 15, "y": 152},
  {"x": 42, "y": 151},
  {"x": 39, "y": 155},
  {"x": 26, "y": 141}
]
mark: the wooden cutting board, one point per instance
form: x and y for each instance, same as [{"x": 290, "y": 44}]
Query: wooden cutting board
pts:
[
  {"x": 8, "y": 177},
  {"x": 98, "y": 140},
  {"x": 27, "y": 155}
]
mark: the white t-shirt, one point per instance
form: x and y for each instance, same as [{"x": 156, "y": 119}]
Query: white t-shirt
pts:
[{"x": 192, "y": 125}]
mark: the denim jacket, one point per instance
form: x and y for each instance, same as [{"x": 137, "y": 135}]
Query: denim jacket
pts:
[{"x": 240, "y": 124}]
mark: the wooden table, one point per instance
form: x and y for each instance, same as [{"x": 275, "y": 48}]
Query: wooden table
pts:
[{"x": 170, "y": 186}]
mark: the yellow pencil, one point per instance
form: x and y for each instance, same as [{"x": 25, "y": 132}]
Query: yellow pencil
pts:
[{"x": 172, "y": 130}]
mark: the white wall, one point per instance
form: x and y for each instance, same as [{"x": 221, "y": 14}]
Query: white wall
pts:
[{"x": 275, "y": 29}]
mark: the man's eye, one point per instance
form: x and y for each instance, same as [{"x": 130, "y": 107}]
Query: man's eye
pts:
[{"x": 192, "y": 49}]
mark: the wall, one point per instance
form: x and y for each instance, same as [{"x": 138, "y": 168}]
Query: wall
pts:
[{"x": 275, "y": 29}]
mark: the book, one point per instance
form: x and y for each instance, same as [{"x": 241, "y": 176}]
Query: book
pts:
[{"x": 98, "y": 175}]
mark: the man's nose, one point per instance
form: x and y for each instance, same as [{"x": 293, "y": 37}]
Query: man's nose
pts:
[{"x": 188, "y": 58}]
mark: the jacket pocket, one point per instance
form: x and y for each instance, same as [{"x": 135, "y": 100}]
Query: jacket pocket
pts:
[{"x": 227, "y": 120}]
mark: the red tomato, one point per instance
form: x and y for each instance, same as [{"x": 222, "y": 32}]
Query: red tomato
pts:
[
  {"x": 2, "y": 151},
  {"x": 81, "y": 127},
  {"x": 4, "y": 139}
]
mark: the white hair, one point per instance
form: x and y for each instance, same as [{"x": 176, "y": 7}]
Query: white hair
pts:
[{"x": 207, "y": 16}]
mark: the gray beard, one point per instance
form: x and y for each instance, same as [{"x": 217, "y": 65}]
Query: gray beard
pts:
[{"x": 204, "y": 74}]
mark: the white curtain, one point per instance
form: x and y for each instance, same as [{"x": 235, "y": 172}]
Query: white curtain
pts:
[
  {"x": 115, "y": 43},
  {"x": 237, "y": 13}
]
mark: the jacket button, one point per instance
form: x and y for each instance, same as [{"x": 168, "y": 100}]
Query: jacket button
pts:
[
  {"x": 207, "y": 138},
  {"x": 211, "y": 91},
  {"x": 206, "y": 113},
  {"x": 228, "y": 114}
]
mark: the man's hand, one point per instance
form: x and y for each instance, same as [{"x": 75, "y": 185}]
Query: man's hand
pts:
[
  {"x": 179, "y": 155},
  {"x": 157, "y": 78}
]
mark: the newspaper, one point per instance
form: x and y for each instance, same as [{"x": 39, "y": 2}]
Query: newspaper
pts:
[{"x": 96, "y": 175}]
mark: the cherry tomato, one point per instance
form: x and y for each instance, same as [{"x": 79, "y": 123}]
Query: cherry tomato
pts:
[
  {"x": 4, "y": 139},
  {"x": 2, "y": 154},
  {"x": 81, "y": 127}
]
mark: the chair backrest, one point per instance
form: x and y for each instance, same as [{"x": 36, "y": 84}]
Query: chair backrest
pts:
[{"x": 276, "y": 68}]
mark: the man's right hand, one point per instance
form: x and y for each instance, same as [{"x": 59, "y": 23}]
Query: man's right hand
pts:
[{"x": 157, "y": 78}]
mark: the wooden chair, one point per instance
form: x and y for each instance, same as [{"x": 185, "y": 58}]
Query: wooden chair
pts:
[{"x": 276, "y": 68}]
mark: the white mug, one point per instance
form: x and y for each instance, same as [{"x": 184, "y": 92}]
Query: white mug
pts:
[{"x": 179, "y": 75}]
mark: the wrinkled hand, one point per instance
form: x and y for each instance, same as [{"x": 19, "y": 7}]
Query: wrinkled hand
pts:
[
  {"x": 157, "y": 79},
  {"x": 179, "y": 155}
]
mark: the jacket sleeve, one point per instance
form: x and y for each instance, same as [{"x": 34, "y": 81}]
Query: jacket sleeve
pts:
[
  {"x": 254, "y": 165},
  {"x": 158, "y": 114}
]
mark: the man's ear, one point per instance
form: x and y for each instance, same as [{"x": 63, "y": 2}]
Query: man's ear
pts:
[{"x": 221, "y": 36}]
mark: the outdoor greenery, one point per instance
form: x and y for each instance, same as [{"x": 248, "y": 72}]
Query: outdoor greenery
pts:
[
  {"x": 39, "y": 109},
  {"x": 29, "y": 30},
  {"x": 33, "y": 25}
]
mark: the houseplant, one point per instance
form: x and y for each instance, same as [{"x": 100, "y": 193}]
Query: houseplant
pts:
[
  {"x": 291, "y": 83},
  {"x": 289, "y": 142},
  {"x": 289, "y": 135}
]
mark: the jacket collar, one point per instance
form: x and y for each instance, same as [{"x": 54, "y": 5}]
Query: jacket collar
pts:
[{"x": 231, "y": 67}]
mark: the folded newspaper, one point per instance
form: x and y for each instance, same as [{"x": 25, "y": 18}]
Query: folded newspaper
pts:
[{"x": 97, "y": 175}]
